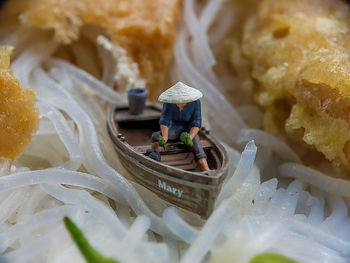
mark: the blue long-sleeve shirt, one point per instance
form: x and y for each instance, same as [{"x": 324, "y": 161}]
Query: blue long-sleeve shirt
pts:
[{"x": 181, "y": 121}]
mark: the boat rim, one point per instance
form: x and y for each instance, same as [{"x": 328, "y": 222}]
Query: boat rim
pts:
[{"x": 113, "y": 132}]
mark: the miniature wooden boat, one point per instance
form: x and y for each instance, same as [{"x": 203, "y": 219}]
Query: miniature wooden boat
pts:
[{"x": 176, "y": 178}]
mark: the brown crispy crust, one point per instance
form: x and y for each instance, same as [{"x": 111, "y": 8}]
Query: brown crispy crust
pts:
[
  {"x": 295, "y": 53},
  {"x": 18, "y": 117},
  {"x": 145, "y": 28}
]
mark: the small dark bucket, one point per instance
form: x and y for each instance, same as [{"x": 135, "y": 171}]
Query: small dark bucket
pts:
[{"x": 137, "y": 100}]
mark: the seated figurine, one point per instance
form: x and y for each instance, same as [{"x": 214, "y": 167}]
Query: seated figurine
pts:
[{"x": 180, "y": 120}]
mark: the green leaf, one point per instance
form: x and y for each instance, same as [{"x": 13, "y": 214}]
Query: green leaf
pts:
[
  {"x": 162, "y": 142},
  {"x": 90, "y": 254},
  {"x": 271, "y": 258},
  {"x": 186, "y": 139}
]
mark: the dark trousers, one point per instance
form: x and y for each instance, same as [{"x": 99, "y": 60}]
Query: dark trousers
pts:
[{"x": 173, "y": 136}]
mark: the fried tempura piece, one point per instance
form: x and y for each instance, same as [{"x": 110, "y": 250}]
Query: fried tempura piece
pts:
[
  {"x": 18, "y": 117},
  {"x": 144, "y": 28},
  {"x": 293, "y": 56}
]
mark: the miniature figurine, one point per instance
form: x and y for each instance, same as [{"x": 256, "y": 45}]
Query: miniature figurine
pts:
[
  {"x": 176, "y": 179},
  {"x": 180, "y": 120}
]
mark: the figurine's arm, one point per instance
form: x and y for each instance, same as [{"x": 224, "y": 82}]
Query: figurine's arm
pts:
[
  {"x": 165, "y": 120},
  {"x": 196, "y": 120},
  {"x": 165, "y": 131},
  {"x": 193, "y": 132}
]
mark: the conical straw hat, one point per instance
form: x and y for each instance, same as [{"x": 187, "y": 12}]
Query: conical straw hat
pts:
[{"x": 180, "y": 93}]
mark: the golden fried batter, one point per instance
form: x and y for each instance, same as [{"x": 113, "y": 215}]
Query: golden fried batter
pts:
[
  {"x": 18, "y": 117},
  {"x": 145, "y": 28},
  {"x": 293, "y": 56}
]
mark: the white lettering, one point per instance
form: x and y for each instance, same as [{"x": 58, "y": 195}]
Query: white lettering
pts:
[
  {"x": 170, "y": 189},
  {"x": 161, "y": 184},
  {"x": 174, "y": 190}
]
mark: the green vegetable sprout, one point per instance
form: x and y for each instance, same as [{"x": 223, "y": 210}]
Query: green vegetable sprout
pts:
[
  {"x": 162, "y": 142},
  {"x": 90, "y": 254},
  {"x": 271, "y": 258},
  {"x": 186, "y": 139}
]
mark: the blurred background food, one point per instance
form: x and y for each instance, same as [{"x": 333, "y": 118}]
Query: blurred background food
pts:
[
  {"x": 143, "y": 32},
  {"x": 81, "y": 56},
  {"x": 19, "y": 118},
  {"x": 293, "y": 58}
]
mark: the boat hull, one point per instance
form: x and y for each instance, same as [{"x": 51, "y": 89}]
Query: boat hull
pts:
[
  {"x": 195, "y": 197},
  {"x": 190, "y": 190}
]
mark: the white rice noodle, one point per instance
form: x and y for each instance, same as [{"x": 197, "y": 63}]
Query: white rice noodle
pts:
[
  {"x": 108, "y": 64},
  {"x": 84, "y": 200},
  {"x": 209, "y": 13},
  {"x": 110, "y": 220},
  {"x": 90, "y": 104},
  {"x": 134, "y": 236},
  {"x": 178, "y": 226},
  {"x": 10, "y": 204},
  {"x": 66, "y": 135},
  {"x": 34, "y": 222},
  {"x": 262, "y": 197},
  {"x": 47, "y": 149},
  {"x": 222, "y": 26},
  {"x": 221, "y": 113},
  {"x": 283, "y": 205},
  {"x": 47, "y": 128},
  {"x": 336, "y": 223},
  {"x": 151, "y": 252},
  {"x": 269, "y": 141},
  {"x": 30, "y": 59},
  {"x": 201, "y": 75},
  {"x": 234, "y": 157},
  {"x": 306, "y": 250},
  {"x": 210, "y": 231},
  {"x": 310, "y": 176},
  {"x": 198, "y": 33},
  {"x": 66, "y": 81},
  {"x": 5, "y": 165},
  {"x": 326, "y": 238},
  {"x": 58, "y": 176},
  {"x": 173, "y": 247},
  {"x": 250, "y": 217},
  {"x": 227, "y": 208},
  {"x": 284, "y": 202},
  {"x": 243, "y": 168},
  {"x": 153, "y": 202},
  {"x": 33, "y": 199},
  {"x": 98, "y": 87},
  {"x": 101, "y": 239},
  {"x": 36, "y": 248},
  {"x": 97, "y": 234},
  {"x": 316, "y": 214},
  {"x": 304, "y": 204},
  {"x": 93, "y": 160},
  {"x": 126, "y": 73},
  {"x": 99, "y": 117},
  {"x": 279, "y": 230}
]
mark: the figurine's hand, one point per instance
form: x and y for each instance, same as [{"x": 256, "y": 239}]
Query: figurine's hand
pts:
[
  {"x": 162, "y": 142},
  {"x": 186, "y": 139}
]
